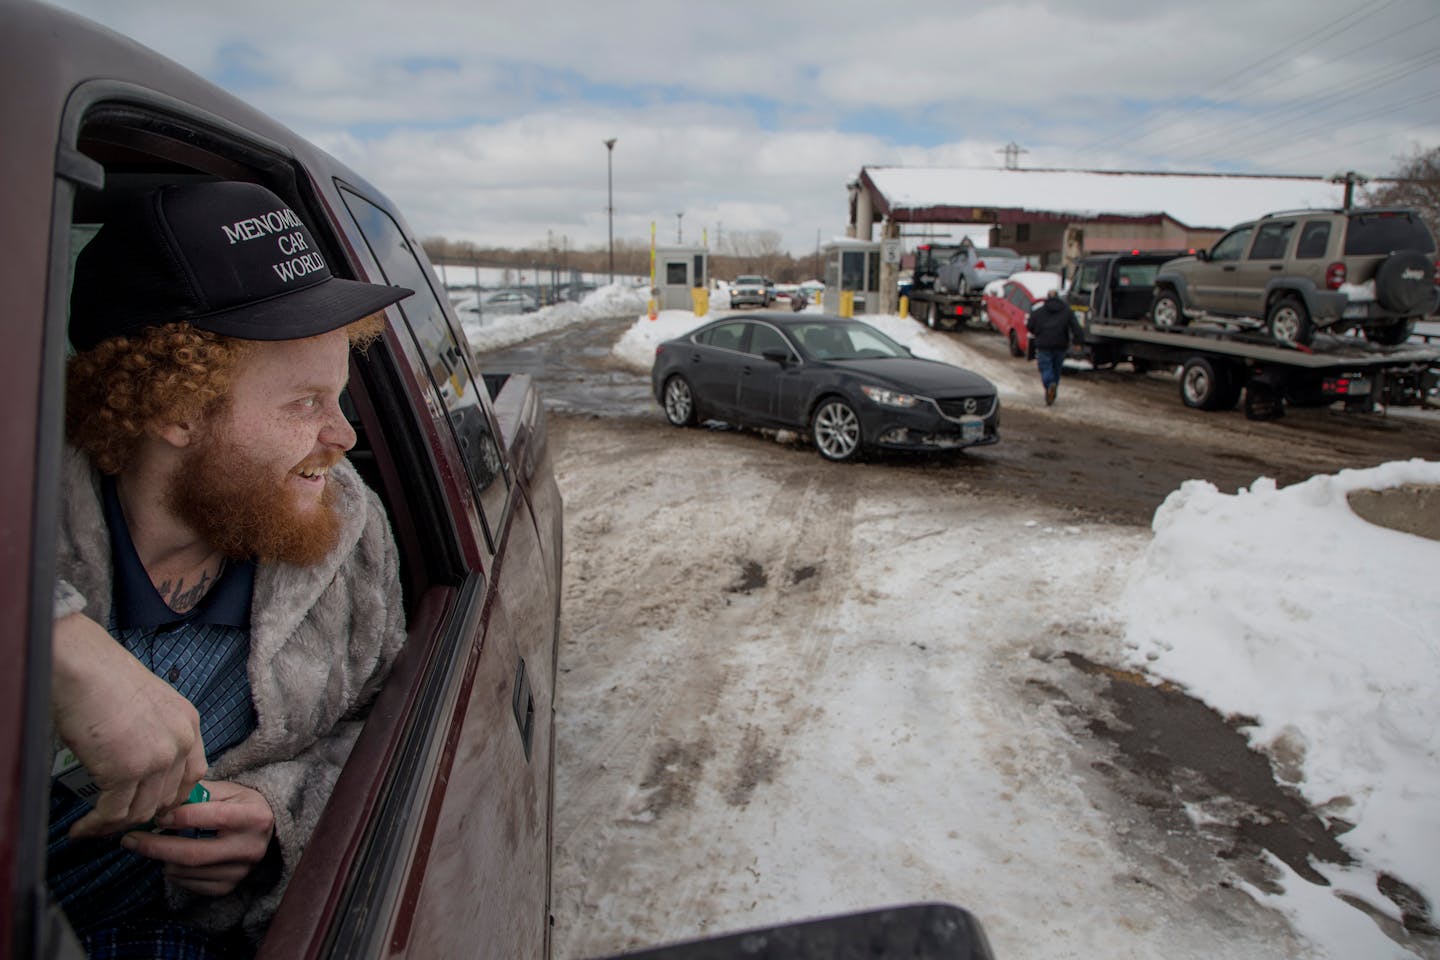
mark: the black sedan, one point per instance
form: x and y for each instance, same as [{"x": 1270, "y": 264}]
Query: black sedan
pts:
[{"x": 846, "y": 383}]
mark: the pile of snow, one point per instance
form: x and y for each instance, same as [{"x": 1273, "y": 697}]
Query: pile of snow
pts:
[
  {"x": 614, "y": 300},
  {"x": 1284, "y": 606},
  {"x": 1038, "y": 282}
]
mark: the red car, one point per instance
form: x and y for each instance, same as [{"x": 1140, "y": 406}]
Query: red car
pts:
[{"x": 1008, "y": 304}]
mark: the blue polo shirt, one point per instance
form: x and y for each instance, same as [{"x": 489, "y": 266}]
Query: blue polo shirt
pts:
[{"x": 203, "y": 655}]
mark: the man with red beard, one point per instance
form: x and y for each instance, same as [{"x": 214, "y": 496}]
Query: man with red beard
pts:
[{"x": 228, "y": 599}]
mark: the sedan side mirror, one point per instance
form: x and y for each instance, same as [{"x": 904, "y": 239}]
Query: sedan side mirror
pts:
[{"x": 778, "y": 355}]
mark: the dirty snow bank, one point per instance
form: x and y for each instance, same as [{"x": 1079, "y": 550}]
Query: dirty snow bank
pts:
[
  {"x": 614, "y": 300},
  {"x": 1284, "y": 606}
]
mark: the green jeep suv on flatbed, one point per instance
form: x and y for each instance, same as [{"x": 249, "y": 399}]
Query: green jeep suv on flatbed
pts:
[{"x": 1301, "y": 271}]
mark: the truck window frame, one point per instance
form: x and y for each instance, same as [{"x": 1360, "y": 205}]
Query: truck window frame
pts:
[{"x": 128, "y": 126}]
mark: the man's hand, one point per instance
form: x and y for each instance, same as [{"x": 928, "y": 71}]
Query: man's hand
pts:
[
  {"x": 137, "y": 737},
  {"x": 243, "y": 825}
]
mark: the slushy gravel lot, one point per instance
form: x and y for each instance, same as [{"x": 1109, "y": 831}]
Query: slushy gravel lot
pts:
[{"x": 791, "y": 688}]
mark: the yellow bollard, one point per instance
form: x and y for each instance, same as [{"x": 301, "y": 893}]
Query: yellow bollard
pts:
[
  {"x": 847, "y": 303},
  {"x": 904, "y": 305},
  {"x": 700, "y": 297}
]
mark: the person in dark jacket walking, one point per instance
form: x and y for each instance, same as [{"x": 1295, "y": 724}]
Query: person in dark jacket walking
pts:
[{"x": 1052, "y": 327}]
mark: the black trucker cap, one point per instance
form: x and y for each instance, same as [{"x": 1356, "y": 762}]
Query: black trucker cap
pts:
[{"x": 227, "y": 257}]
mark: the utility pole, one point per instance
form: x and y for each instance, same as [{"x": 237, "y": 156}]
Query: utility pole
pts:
[
  {"x": 1350, "y": 178},
  {"x": 679, "y": 237},
  {"x": 1012, "y": 153},
  {"x": 610, "y": 199}
]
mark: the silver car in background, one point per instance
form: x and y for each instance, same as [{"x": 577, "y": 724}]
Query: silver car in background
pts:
[
  {"x": 973, "y": 267},
  {"x": 752, "y": 291}
]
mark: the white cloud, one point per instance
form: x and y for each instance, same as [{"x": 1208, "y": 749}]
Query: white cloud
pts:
[{"x": 485, "y": 121}]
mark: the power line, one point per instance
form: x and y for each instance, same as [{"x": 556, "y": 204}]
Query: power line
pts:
[
  {"x": 1422, "y": 98},
  {"x": 1397, "y": 70},
  {"x": 1334, "y": 26},
  {"x": 1290, "y": 114},
  {"x": 1294, "y": 117}
]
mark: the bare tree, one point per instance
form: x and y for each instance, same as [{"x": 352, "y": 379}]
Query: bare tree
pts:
[{"x": 1415, "y": 184}]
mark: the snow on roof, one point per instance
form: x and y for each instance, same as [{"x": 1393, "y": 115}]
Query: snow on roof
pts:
[
  {"x": 1195, "y": 200},
  {"x": 1038, "y": 282}
]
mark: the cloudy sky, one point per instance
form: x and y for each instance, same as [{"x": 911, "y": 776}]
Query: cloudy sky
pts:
[{"x": 486, "y": 121}]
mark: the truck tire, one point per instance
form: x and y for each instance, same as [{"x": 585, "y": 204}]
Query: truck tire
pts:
[
  {"x": 1289, "y": 322},
  {"x": 1391, "y": 335},
  {"x": 1404, "y": 282},
  {"x": 1207, "y": 384},
  {"x": 932, "y": 314},
  {"x": 1166, "y": 311}
]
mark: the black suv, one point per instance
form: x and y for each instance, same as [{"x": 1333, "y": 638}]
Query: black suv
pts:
[{"x": 1301, "y": 271}]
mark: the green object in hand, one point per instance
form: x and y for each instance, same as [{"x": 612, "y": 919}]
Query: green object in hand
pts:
[{"x": 198, "y": 794}]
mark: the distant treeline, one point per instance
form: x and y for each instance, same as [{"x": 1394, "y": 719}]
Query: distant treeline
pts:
[{"x": 741, "y": 252}]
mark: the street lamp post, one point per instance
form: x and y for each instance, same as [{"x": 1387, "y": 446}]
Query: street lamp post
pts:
[{"x": 610, "y": 199}]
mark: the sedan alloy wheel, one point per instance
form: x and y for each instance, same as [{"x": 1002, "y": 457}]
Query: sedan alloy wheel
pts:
[
  {"x": 679, "y": 402},
  {"x": 836, "y": 430}
]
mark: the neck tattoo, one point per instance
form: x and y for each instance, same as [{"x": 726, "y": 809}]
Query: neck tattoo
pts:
[{"x": 182, "y": 598}]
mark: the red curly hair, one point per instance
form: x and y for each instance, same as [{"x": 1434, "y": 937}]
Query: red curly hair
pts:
[{"x": 128, "y": 384}]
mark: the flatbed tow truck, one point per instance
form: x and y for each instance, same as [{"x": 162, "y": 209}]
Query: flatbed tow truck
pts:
[
  {"x": 1219, "y": 363},
  {"x": 936, "y": 308}
]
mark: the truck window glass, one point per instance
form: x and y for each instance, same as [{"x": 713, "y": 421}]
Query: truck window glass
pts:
[
  {"x": 1136, "y": 275},
  {"x": 1231, "y": 245},
  {"x": 1314, "y": 240},
  {"x": 1089, "y": 274},
  {"x": 1383, "y": 233},
  {"x": 449, "y": 372},
  {"x": 1271, "y": 240}
]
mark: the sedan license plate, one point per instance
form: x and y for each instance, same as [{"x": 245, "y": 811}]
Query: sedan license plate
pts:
[{"x": 972, "y": 430}]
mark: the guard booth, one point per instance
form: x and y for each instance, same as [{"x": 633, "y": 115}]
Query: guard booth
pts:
[
  {"x": 678, "y": 270},
  {"x": 851, "y": 267}
]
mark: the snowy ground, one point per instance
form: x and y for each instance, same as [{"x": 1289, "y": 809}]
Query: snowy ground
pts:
[{"x": 781, "y": 701}]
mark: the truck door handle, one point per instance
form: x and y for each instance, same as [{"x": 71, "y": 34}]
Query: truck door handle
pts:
[{"x": 1277, "y": 267}]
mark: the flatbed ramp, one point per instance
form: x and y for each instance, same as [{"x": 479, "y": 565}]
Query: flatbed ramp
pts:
[
  {"x": 1325, "y": 352},
  {"x": 1220, "y": 364}
]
